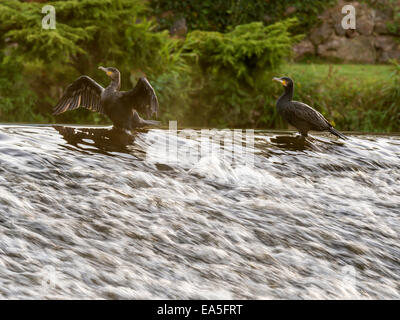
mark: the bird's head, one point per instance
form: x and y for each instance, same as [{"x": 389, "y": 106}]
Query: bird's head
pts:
[
  {"x": 286, "y": 81},
  {"x": 113, "y": 73}
]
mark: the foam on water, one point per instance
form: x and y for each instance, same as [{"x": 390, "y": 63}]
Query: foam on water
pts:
[{"x": 85, "y": 213}]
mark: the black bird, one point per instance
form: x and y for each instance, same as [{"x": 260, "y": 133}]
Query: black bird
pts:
[
  {"x": 120, "y": 106},
  {"x": 300, "y": 115}
]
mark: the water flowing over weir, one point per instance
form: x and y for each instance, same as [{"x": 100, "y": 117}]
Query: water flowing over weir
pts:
[{"x": 89, "y": 213}]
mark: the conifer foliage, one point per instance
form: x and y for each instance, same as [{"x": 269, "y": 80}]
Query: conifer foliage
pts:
[{"x": 209, "y": 78}]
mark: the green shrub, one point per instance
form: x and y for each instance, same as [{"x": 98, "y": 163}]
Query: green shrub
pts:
[
  {"x": 224, "y": 15},
  {"x": 231, "y": 71},
  {"x": 90, "y": 33},
  {"x": 17, "y": 100},
  {"x": 163, "y": 60}
]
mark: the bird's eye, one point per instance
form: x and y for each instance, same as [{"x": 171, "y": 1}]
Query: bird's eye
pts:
[{"x": 284, "y": 82}]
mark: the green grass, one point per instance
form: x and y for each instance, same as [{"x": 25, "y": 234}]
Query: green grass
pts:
[{"x": 356, "y": 73}]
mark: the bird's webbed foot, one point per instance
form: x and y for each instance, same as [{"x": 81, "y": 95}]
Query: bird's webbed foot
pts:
[{"x": 138, "y": 122}]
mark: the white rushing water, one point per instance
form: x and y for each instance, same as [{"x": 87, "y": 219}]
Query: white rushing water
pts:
[{"x": 92, "y": 213}]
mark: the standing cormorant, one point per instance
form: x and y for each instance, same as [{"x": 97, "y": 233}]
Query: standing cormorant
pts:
[
  {"x": 300, "y": 115},
  {"x": 120, "y": 106}
]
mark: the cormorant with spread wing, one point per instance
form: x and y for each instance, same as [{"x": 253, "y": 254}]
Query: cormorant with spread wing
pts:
[
  {"x": 300, "y": 115},
  {"x": 120, "y": 106}
]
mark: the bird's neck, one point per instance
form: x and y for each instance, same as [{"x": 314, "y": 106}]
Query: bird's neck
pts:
[
  {"x": 288, "y": 94},
  {"x": 115, "y": 83}
]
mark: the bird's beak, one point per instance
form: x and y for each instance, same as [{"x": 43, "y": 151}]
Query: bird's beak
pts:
[
  {"x": 280, "y": 80},
  {"x": 109, "y": 73}
]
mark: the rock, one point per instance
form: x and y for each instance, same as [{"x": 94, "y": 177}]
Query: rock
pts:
[
  {"x": 387, "y": 48},
  {"x": 359, "y": 49},
  {"x": 381, "y": 27},
  {"x": 385, "y": 43},
  {"x": 303, "y": 48},
  {"x": 167, "y": 14},
  {"x": 339, "y": 29},
  {"x": 179, "y": 28},
  {"x": 336, "y": 17},
  {"x": 382, "y": 19},
  {"x": 365, "y": 24},
  {"x": 320, "y": 34},
  {"x": 328, "y": 15},
  {"x": 372, "y": 41},
  {"x": 332, "y": 45},
  {"x": 365, "y": 18},
  {"x": 351, "y": 33},
  {"x": 290, "y": 10},
  {"x": 267, "y": 19},
  {"x": 386, "y": 56}
]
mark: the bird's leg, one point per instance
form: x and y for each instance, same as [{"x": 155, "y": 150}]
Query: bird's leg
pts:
[
  {"x": 138, "y": 122},
  {"x": 301, "y": 135}
]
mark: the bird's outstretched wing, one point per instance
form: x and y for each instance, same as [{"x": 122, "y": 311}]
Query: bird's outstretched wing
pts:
[
  {"x": 310, "y": 115},
  {"x": 142, "y": 98},
  {"x": 83, "y": 92}
]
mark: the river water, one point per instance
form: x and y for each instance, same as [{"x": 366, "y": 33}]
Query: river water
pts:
[{"x": 89, "y": 213}]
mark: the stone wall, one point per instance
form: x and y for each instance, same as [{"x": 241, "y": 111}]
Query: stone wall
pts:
[{"x": 370, "y": 42}]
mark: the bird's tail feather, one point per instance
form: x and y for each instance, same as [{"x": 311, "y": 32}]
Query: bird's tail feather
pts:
[{"x": 337, "y": 133}]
